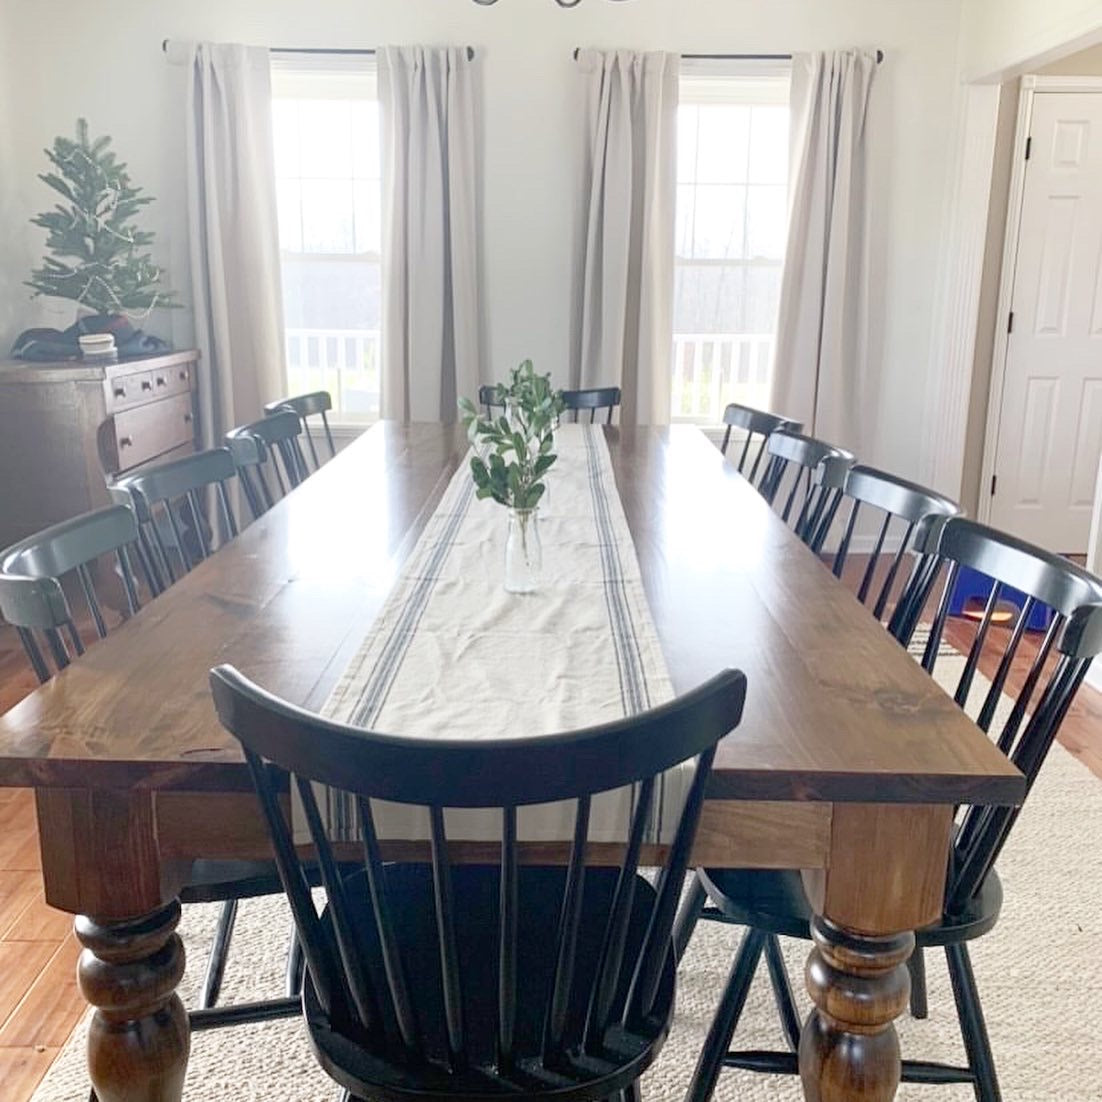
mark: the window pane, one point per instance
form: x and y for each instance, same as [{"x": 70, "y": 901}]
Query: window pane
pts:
[
  {"x": 365, "y": 141},
  {"x": 769, "y": 145},
  {"x": 762, "y": 298},
  {"x": 285, "y": 137},
  {"x": 289, "y": 205},
  {"x": 766, "y": 221},
  {"x": 720, "y": 222},
  {"x": 326, "y": 138},
  {"x": 686, "y": 211},
  {"x": 333, "y": 295},
  {"x": 723, "y": 143},
  {"x": 368, "y": 214},
  {"x": 688, "y": 118},
  {"x": 327, "y": 216},
  {"x": 708, "y": 299}
]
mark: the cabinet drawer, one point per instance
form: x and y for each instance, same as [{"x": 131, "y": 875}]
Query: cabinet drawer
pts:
[
  {"x": 125, "y": 391},
  {"x": 172, "y": 380},
  {"x": 140, "y": 434},
  {"x": 139, "y": 387}
]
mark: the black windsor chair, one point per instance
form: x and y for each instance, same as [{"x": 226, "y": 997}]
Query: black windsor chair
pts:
[
  {"x": 317, "y": 403},
  {"x": 773, "y": 904},
  {"x": 483, "y": 981},
  {"x": 754, "y": 423}
]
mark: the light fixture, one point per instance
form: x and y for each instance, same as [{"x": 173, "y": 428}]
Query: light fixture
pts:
[{"x": 561, "y": 3}]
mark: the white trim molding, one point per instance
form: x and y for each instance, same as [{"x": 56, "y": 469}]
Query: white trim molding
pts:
[{"x": 956, "y": 311}]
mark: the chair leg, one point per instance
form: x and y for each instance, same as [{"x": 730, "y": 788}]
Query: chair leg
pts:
[
  {"x": 916, "y": 965},
  {"x": 782, "y": 992},
  {"x": 216, "y": 963},
  {"x": 296, "y": 964},
  {"x": 972, "y": 1026},
  {"x": 710, "y": 1061},
  {"x": 687, "y": 917}
]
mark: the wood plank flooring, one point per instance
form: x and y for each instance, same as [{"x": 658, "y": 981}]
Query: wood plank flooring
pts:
[{"x": 39, "y": 1000}]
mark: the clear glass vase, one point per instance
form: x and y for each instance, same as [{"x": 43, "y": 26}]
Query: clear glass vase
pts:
[{"x": 523, "y": 552}]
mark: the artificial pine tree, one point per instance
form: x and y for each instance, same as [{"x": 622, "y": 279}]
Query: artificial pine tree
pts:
[{"x": 108, "y": 271}]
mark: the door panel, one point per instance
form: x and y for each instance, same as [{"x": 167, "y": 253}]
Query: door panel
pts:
[{"x": 1050, "y": 427}]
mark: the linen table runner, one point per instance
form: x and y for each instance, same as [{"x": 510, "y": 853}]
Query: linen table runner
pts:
[{"x": 453, "y": 655}]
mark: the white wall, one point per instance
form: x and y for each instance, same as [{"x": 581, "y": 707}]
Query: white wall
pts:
[
  {"x": 1002, "y": 37},
  {"x": 69, "y": 60}
]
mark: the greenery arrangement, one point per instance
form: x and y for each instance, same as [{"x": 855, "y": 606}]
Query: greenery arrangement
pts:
[
  {"x": 99, "y": 258},
  {"x": 526, "y": 434}
]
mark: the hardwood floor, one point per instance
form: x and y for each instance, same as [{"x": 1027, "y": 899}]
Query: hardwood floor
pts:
[{"x": 39, "y": 999}]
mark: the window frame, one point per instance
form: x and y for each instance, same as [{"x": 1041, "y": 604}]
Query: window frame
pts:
[
  {"x": 742, "y": 82},
  {"x": 343, "y": 77}
]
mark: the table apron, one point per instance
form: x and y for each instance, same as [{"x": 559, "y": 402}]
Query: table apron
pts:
[{"x": 871, "y": 867}]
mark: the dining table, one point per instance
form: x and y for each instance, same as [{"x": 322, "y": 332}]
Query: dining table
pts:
[{"x": 848, "y": 765}]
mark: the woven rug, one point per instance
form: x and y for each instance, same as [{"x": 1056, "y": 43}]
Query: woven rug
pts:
[{"x": 1039, "y": 974}]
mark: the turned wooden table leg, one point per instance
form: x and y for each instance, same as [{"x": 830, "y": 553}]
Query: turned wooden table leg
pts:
[
  {"x": 138, "y": 1042},
  {"x": 885, "y": 874},
  {"x": 859, "y": 985}
]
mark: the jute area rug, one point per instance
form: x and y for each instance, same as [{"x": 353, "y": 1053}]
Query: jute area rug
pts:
[{"x": 1039, "y": 973}]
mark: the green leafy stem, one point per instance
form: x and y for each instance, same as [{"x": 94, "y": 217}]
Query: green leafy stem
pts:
[{"x": 517, "y": 447}]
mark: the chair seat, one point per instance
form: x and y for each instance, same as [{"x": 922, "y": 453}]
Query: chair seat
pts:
[
  {"x": 218, "y": 881},
  {"x": 774, "y": 901},
  {"x": 370, "y": 1065}
]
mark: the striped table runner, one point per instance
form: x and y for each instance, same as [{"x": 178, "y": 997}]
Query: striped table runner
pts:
[{"x": 452, "y": 654}]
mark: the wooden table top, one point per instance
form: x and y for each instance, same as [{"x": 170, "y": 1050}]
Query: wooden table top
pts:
[{"x": 836, "y": 710}]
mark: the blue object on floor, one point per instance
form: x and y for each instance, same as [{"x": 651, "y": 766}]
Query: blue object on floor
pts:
[{"x": 974, "y": 586}]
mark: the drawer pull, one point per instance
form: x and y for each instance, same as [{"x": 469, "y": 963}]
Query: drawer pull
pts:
[
  {"x": 125, "y": 441},
  {"x": 187, "y": 418},
  {"x": 120, "y": 392},
  {"x": 146, "y": 384},
  {"x": 183, "y": 376},
  {"x": 161, "y": 380}
]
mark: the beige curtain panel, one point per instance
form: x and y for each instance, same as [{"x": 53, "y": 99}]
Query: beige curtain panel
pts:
[
  {"x": 623, "y": 316},
  {"x": 234, "y": 233},
  {"x": 820, "y": 372},
  {"x": 430, "y": 268}
]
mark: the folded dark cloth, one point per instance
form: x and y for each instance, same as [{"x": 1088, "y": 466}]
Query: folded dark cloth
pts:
[{"x": 48, "y": 345}]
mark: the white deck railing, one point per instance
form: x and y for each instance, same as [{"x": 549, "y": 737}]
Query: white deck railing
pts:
[
  {"x": 712, "y": 369},
  {"x": 709, "y": 370},
  {"x": 343, "y": 361}
]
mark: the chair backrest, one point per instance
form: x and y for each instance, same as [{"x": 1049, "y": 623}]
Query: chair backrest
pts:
[
  {"x": 56, "y": 555},
  {"x": 168, "y": 496},
  {"x": 753, "y": 422},
  {"x": 317, "y": 403},
  {"x": 914, "y": 512},
  {"x": 491, "y": 398},
  {"x": 803, "y": 479},
  {"x": 279, "y": 739},
  {"x": 1025, "y": 733},
  {"x": 267, "y": 453},
  {"x": 594, "y": 399},
  {"x": 250, "y": 457}
]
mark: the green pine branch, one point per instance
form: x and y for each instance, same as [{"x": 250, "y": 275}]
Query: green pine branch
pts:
[{"x": 99, "y": 254}]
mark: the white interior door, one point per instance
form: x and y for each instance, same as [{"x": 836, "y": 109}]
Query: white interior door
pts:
[{"x": 1050, "y": 424}]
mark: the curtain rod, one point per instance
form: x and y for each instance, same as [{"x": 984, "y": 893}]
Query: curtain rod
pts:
[
  {"x": 739, "y": 57},
  {"x": 320, "y": 50}
]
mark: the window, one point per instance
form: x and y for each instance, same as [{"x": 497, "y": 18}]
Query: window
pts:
[
  {"x": 732, "y": 202},
  {"x": 328, "y": 188}
]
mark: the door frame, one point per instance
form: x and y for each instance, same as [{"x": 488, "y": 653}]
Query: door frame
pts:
[{"x": 1031, "y": 85}]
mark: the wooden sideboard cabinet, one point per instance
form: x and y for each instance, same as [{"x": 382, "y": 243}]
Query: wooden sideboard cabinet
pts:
[{"x": 66, "y": 427}]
